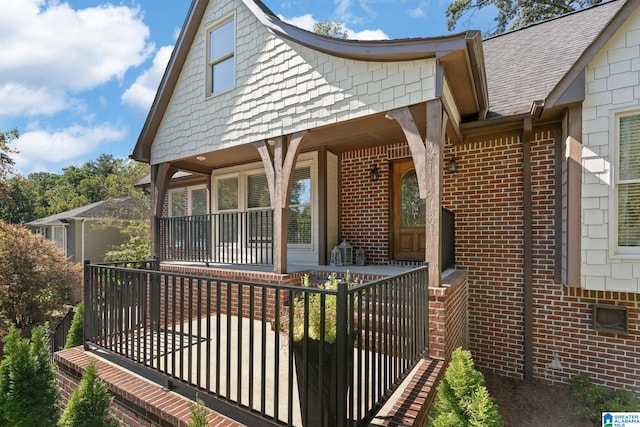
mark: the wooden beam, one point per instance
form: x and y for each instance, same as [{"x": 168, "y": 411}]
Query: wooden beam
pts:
[
  {"x": 160, "y": 178},
  {"x": 416, "y": 144},
  {"x": 428, "y": 162},
  {"x": 432, "y": 181},
  {"x": 279, "y": 165}
]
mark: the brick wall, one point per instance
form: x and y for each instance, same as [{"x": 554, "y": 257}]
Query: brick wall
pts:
[
  {"x": 364, "y": 205},
  {"x": 448, "y": 308},
  {"x": 136, "y": 402},
  {"x": 486, "y": 196}
]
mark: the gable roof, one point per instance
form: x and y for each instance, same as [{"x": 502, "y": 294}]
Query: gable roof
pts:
[
  {"x": 114, "y": 208},
  {"x": 461, "y": 49},
  {"x": 541, "y": 61}
]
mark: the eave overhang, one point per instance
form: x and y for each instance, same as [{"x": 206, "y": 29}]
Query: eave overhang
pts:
[{"x": 460, "y": 54}]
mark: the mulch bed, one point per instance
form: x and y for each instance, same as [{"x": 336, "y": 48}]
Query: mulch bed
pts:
[{"x": 534, "y": 403}]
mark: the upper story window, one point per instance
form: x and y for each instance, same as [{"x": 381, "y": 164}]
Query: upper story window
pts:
[
  {"x": 221, "y": 57},
  {"x": 627, "y": 183}
]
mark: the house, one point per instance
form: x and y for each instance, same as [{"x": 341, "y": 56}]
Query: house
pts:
[
  {"x": 87, "y": 232},
  {"x": 530, "y": 138}
]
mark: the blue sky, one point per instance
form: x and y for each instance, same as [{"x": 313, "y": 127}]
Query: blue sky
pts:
[{"x": 77, "y": 77}]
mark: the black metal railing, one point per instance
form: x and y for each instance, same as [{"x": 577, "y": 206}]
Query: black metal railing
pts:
[
  {"x": 233, "y": 339},
  {"x": 221, "y": 238},
  {"x": 58, "y": 334}
]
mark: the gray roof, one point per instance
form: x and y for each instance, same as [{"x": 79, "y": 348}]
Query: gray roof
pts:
[
  {"x": 525, "y": 65},
  {"x": 113, "y": 208}
]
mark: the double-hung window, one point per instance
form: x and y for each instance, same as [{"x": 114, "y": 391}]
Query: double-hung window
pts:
[
  {"x": 221, "y": 57},
  {"x": 627, "y": 183},
  {"x": 299, "y": 224}
]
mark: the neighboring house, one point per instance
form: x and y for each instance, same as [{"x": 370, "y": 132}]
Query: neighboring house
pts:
[
  {"x": 87, "y": 232},
  {"x": 531, "y": 139}
]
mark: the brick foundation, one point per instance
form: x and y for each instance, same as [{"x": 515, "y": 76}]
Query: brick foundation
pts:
[{"x": 137, "y": 402}]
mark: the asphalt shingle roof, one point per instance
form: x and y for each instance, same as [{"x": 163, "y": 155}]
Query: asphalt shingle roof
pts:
[
  {"x": 523, "y": 66},
  {"x": 114, "y": 208}
]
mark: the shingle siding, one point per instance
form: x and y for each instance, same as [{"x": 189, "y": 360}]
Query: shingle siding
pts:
[
  {"x": 612, "y": 80},
  {"x": 281, "y": 88}
]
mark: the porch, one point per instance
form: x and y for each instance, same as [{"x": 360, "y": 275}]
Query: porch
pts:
[{"x": 229, "y": 339}]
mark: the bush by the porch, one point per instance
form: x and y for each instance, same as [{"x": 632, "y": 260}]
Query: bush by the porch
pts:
[
  {"x": 74, "y": 337},
  {"x": 28, "y": 392},
  {"x": 89, "y": 403},
  {"x": 462, "y": 399}
]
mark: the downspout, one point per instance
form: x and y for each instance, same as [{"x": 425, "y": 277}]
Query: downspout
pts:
[
  {"x": 82, "y": 240},
  {"x": 527, "y": 248}
]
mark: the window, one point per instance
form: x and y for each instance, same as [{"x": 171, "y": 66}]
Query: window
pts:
[
  {"x": 59, "y": 237},
  {"x": 198, "y": 201},
  {"x": 227, "y": 225},
  {"x": 299, "y": 225},
  {"x": 259, "y": 199},
  {"x": 628, "y": 184},
  {"x": 177, "y": 203},
  {"x": 221, "y": 57}
]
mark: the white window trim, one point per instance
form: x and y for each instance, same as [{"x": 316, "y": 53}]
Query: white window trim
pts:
[
  {"x": 209, "y": 62},
  {"x": 242, "y": 171},
  {"x": 615, "y": 251}
]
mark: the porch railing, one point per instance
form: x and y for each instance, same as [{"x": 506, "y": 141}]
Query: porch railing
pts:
[
  {"x": 231, "y": 340},
  {"x": 226, "y": 238}
]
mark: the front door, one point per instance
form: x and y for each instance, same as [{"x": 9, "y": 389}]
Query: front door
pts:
[{"x": 409, "y": 213}]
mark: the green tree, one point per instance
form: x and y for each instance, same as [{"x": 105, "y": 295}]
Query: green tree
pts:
[
  {"x": 330, "y": 29},
  {"x": 462, "y": 400},
  {"x": 6, "y": 162},
  {"x": 18, "y": 204},
  {"x": 34, "y": 277},
  {"x": 28, "y": 391},
  {"x": 76, "y": 330},
  {"x": 514, "y": 14},
  {"x": 89, "y": 403},
  {"x": 198, "y": 414}
]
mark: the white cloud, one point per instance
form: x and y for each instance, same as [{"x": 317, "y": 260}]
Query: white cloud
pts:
[
  {"x": 19, "y": 100},
  {"x": 141, "y": 93},
  {"x": 40, "y": 150},
  {"x": 48, "y": 47},
  {"x": 307, "y": 22},
  {"x": 367, "y": 35},
  {"x": 418, "y": 11}
]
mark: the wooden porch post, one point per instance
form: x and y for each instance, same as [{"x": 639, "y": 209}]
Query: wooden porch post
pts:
[
  {"x": 160, "y": 178},
  {"x": 428, "y": 161},
  {"x": 279, "y": 165}
]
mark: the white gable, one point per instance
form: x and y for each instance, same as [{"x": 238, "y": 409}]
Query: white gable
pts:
[
  {"x": 612, "y": 86},
  {"x": 281, "y": 88}
]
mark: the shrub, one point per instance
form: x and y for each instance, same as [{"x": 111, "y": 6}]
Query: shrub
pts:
[
  {"x": 76, "y": 330},
  {"x": 89, "y": 403},
  {"x": 198, "y": 414},
  {"x": 28, "y": 392},
  {"x": 596, "y": 399},
  {"x": 462, "y": 399},
  {"x": 34, "y": 277},
  {"x": 314, "y": 310}
]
